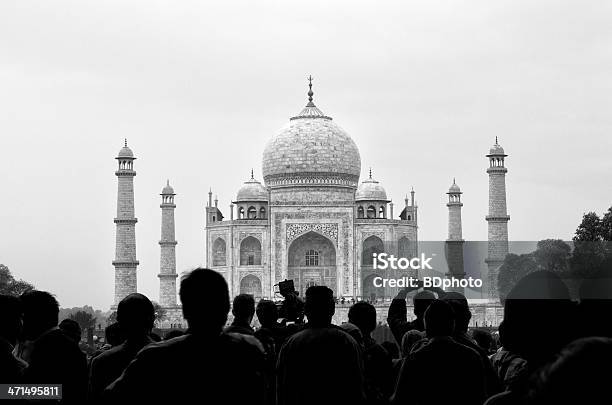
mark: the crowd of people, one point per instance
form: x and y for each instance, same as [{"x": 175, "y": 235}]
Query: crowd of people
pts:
[{"x": 553, "y": 350}]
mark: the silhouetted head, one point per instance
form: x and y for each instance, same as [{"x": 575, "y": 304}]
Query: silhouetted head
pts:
[
  {"x": 439, "y": 319},
  {"x": 363, "y": 315},
  {"x": 461, "y": 309},
  {"x": 135, "y": 314},
  {"x": 10, "y": 318},
  {"x": 421, "y": 302},
  {"x": 539, "y": 318},
  {"x": 205, "y": 298},
  {"x": 40, "y": 312},
  {"x": 113, "y": 334},
  {"x": 267, "y": 313},
  {"x": 411, "y": 338},
  {"x": 483, "y": 338},
  {"x": 320, "y": 305},
  {"x": 72, "y": 329},
  {"x": 581, "y": 374},
  {"x": 243, "y": 308}
]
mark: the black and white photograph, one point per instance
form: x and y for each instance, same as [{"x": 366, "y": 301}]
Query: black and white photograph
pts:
[{"x": 293, "y": 203}]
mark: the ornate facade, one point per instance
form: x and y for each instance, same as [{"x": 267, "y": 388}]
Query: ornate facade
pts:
[{"x": 311, "y": 220}]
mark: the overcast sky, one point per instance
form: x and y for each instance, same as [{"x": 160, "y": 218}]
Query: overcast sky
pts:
[{"x": 198, "y": 88}]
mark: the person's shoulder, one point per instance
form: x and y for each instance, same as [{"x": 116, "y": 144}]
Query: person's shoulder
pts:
[
  {"x": 107, "y": 354},
  {"x": 242, "y": 341},
  {"x": 55, "y": 341},
  {"x": 467, "y": 350}
]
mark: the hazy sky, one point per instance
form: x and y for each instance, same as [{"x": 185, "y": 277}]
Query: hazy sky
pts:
[{"x": 198, "y": 88}]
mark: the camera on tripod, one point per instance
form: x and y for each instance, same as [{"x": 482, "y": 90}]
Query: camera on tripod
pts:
[{"x": 291, "y": 309}]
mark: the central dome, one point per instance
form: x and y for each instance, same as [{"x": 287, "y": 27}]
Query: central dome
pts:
[{"x": 311, "y": 150}]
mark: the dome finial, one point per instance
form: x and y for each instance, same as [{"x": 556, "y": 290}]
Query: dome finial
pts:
[
  {"x": 310, "y": 93},
  {"x": 252, "y": 176},
  {"x": 454, "y": 181},
  {"x": 370, "y": 173},
  {"x": 496, "y": 140},
  {"x": 125, "y": 142}
]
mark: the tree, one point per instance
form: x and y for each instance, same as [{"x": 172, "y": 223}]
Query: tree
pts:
[
  {"x": 85, "y": 319},
  {"x": 10, "y": 286},
  {"x": 112, "y": 318},
  {"x": 589, "y": 255},
  {"x": 605, "y": 226},
  {"x": 590, "y": 228},
  {"x": 514, "y": 268},
  {"x": 160, "y": 312},
  {"x": 552, "y": 255}
]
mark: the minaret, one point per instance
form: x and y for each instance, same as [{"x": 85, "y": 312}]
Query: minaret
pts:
[
  {"x": 125, "y": 247},
  {"x": 497, "y": 219},
  {"x": 167, "y": 263},
  {"x": 454, "y": 243}
]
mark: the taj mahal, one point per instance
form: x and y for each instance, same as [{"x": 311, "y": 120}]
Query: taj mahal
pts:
[{"x": 310, "y": 219}]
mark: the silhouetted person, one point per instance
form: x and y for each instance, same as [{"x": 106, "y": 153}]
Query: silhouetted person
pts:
[
  {"x": 320, "y": 364},
  {"x": 484, "y": 340},
  {"x": 511, "y": 369},
  {"x": 462, "y": 312},
  {"x": 112, "y": 338},
  {"x": 135, "y": 315},
  {"x": 410, "y": 341},
  {"x": 72, "y": 329},
  {"x": 581, "y": 374},
  {"x": 397, "y": 317},
  {"x": 243, "y": 310},
  {"x": 441, "y": 371},
  {"x": 271, "y": 335},
  {"x": 112, "y": 335},
  {"x": 11, "y": 367},
  {"x": 378, "y": 365},
  {"x": 54, "y": 357},
  {"x": 203, "y": 366},
  {"x": 539, "y": 320}
]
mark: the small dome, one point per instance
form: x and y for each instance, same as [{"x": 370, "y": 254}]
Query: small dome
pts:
[
  {"x": 125, "y": 152},
  {"x": 496, "y": 149},
  {"x": 370, "y": 190},
  {"x": 454, "y": 188},
  {"x": 252, "y": 190},
  {"x": 168, "y": 189}
]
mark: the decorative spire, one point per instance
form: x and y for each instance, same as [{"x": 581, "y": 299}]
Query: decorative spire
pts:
[
  {"x": 370, "y": 173},
  {"x": 252, "y": 176},
  {"x": 311, "y": 110},
  {"x": 310, "y": 93},
  {"x": 168, "y": 182},
  {"x": 496, "y": 140},
  {"x": 454, "y": 180},
  {"x": 125, "y": 142}
]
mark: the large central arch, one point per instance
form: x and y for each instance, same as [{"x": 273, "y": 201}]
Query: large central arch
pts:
[{"x": 311, "y": 260}]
